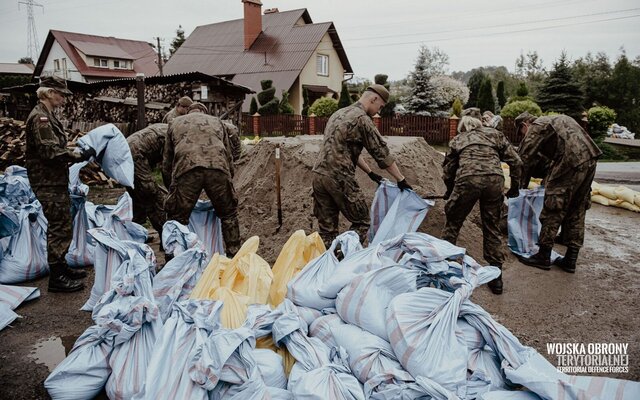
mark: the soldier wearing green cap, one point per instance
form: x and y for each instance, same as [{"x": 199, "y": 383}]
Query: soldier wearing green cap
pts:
[
  {"x": 180, "y": 109},
  {"x": 573, "y": 156},
  {"x": 335, "y": 189},
  {"x": 47, "y": 160}
]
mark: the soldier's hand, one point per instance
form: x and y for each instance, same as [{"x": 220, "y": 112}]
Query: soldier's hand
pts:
[
  {"x": 87, "y": 154},
  {"x": 513, "y": 192},
  {"x": 375, "y": 177},
  {"x": 447, "y": 194},
  {"x": 403, "y": 185}
]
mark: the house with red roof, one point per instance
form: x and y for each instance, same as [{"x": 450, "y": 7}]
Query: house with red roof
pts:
[
  {"x": 284, "y": 47},
  {"x": 89, "y": 58}
]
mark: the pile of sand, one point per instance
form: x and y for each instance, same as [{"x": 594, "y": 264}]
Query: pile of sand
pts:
[{"x": 255, "y": 186}]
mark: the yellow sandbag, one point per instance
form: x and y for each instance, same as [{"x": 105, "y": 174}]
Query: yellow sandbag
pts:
[
  {"x": 627, "y": 205},
  {"x": 230, "y": 274},
  {"x": 254, "y": 278},
  {"x": 234, "y": 309},
  {"x": 266, "y": 342},
  {"x": 597, "y": 198},
  {"x": 534, "y": 183},
  {"x": 626, "y": 194},
  {"x": 210, "y": 279},
  {"x": 595, "y": 188},
  {"x": 608, "y": 192},
  {"x": 295, "y": 254},
  {"x": 636, "y": 201}
]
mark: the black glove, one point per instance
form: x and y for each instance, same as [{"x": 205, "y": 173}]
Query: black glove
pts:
[
  {"x": 87, "y": 154},
  {"x": 447, "y": 194},
  {"x": 513, "y": 192},
  {"x": 375, "y": 177},
  {"x": 403, "y": 185}
]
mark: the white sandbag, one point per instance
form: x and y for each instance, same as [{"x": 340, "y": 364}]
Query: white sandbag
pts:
[
  {"x": 309, "y": 314},
  {"x": 9, "y": 223},
  {"x": 204, "y": 222},
  {"x": 15, "y": 189},
  {"x": 112, "y": 152},
  {"x": 179, "y": 276},
  {"x": 406, "y": 213},
  {"x": 330, "y": 381},
  {"x": 13, "y": 296},
  {"x": 364, "y": 301},
  {"x": 109, "y": 255},
  {"x": 271, "y": 368},
  {"x": 383, "y": 198},
  {"x": 190, "y": 324},
  {"x": 321, "y": 328},
  {"x": 302, "y": 290},
  {"x": 523, "y": 222},
  {"x": 506, "y": 395},
  {"x": 24, "y": 254},
  {"x": 7, "y": 316},
  {"x": 177, "y": 238}
]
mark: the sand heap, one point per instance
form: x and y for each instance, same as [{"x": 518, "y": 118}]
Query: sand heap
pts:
[{"x": 255, "y": 185}]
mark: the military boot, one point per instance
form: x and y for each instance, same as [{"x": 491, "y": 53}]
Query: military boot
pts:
[
  {"x": 74, "y": 273},
  {"x": 59, "y": 282},
  {"x": 568, "y": 263},
  {"x": 496, "y": 284},
  {"x": 542, "y": 259}
]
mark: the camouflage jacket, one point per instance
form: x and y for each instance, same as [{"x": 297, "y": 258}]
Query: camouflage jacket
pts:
[
  {"x": 560, "y": 139},
  {"x": 170, "y": 115},
  {"x": 234, "y": 139},
  {"x": 47, "y": 156},
  {"x": 347, "y": 132},
  {"x": 195, "y": 140},
  {"x": 149, "y": 143},
  {"x": 479, "y": 152}
]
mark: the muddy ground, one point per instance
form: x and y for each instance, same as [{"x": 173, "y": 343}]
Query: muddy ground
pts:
[{"x": 597, "y": 304}]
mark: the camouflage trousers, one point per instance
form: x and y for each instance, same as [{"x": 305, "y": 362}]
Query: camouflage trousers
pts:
[
  {"x": 566, "y": 201},
  {"x": 148, "y": 197},
  {"x": 185, "y": 191},
  {"x": 467, "y": 191},
  {"x": 56, "y": 205},
  {"x": 332, "y": 197}
]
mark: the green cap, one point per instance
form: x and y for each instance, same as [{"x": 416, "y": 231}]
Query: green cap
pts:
[
  {"x": 198, "y": 106},
  {"x": 380, "y": 91},
  {"x": 524, "y": 117},
  {"x": 473, "y": 112},
  {"x": 56, "y": 83}
]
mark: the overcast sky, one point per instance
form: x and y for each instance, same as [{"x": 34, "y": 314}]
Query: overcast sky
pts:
[{"x": 379, "y": 36}]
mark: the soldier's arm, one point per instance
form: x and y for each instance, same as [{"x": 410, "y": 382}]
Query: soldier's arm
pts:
[
  {"x": 375, "y": 145},
  {"x": 509, "y": 155},
  {"x": 449, "y": 169},
  {"x": 48, "y": 144},
  {"x": 167, "y": 159},
  {"x": 529, "y": 150},
  {"x": 234, "y": 142}
]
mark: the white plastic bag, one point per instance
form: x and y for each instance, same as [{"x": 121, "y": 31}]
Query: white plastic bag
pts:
[
  {"x": 112, "y": 152},
  {"x": 322, "y": 328},
  {"x": 302, "y": 290},
  {"x": 15, "y": 189},
  {"x": 205, "y": 223}
]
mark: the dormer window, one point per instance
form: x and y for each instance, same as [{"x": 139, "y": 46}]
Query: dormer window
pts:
[{"x": 101, "y": 62}]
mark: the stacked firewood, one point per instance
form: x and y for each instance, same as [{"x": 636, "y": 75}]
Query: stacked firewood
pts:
[{"x": 13, "y": 146}]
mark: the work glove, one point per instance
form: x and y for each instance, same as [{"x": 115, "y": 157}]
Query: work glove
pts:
[
  {"x": 403, "y": 185},
  {"x": 88, "y": 153},
  {"x": 375, "y": 177},
  {"x": 513, "y": 192}
]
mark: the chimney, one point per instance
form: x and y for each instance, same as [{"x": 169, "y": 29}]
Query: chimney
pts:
[{"x": 252, "y": 21}]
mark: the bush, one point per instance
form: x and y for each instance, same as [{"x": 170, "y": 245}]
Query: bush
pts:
[
  {"x": 324, "y": 107},
  {"x": 271, "y": 108},
  {"x": 253, "y": 108},
  {"x": 285, "y": 106},
  {"x": 516, "y": 108},
  {"x": 305, "y": 102},
  {"x": 599, "y": 120},
  {"x": 266, "y": 84},
  {"x": 345, "y": 98},
  {"x": 266, "y": 95},
  {"x": 456, "y": 108},
  {"x": 609, "y": 152},
  {"x": 522, "y": 90},
  {"x": 520, "y": 98}
]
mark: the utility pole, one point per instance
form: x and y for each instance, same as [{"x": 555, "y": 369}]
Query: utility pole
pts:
[
  {"x": 33, "y": 46},
  {"x": 159, "y": 56}
]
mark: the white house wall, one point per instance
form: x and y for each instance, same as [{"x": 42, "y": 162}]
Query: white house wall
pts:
[
  {"x": 71, "y": 72},
  {"x": 309, "y": 75}
]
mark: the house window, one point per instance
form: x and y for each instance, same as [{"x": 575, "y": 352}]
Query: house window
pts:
[
  {"x": 100, "y": 62},
  {"x": 322, "y": 64},
  {"x": 56, "y": 65},
  {"x": 120, "y": 64}
]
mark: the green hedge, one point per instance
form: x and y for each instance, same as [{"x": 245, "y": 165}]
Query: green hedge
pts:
[
  {"x": 323, "y": 107},
  {"x": 516, "y": 108}
]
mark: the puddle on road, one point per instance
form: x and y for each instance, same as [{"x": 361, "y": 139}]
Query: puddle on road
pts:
[{"x": 51, "y": 351}]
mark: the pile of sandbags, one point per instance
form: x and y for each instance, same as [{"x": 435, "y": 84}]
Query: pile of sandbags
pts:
[
  {"x": 620, "y": 132},
  {"x": 615, "y": 196}
]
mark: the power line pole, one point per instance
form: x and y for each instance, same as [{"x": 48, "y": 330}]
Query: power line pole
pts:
[
  {"x": 159, "y": 56},
  {"x": 33, "y": 46}
]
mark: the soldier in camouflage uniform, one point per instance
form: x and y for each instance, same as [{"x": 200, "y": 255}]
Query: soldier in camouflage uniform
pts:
[
  {"x": 147, "y": 146},
  {"x": 472, "y": 173},
  {"x": 567, "y": 196},
  {"x": 47, "y": 160},
  {"x": 180, "y": 109},
  {"x": 335, "y": 189},
  {"x": 197, "y": 156},
  {"x": 234, "y": 139}
]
